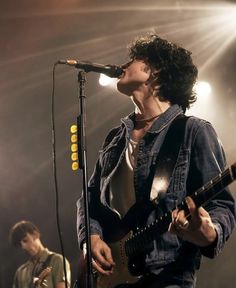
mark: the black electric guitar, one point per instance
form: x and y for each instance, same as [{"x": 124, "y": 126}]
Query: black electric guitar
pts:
[{"x": 131, "y": 243}]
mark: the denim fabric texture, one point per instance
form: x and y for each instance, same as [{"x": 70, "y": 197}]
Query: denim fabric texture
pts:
[{"x": 201, "y": 158}]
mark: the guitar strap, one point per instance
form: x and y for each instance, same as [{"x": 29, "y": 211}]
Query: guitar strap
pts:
[
  {"x": 47, "y": 261},
  {"x": 167, "y": 158}
]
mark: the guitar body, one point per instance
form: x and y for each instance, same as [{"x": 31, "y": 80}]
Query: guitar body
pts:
[
  {"x": 129, "y": 248},
  {"x": 116, "y": 233},
  {"x": 41, "y": 281},
  {"x": 121, "y": 274}
]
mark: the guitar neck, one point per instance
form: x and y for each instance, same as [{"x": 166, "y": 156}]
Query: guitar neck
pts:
[
  {"x": 210, "y": 190},
  {"x": 140, "y": 240}
]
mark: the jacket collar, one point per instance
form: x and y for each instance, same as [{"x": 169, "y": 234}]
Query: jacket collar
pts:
[{"x": 161, "y": 122}]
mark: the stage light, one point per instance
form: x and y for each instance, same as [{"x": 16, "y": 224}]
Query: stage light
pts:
[
  {"x": 104, "y": 80},
  {"x": 202, "y": 89},
  {"x": 204, "y": 105}
]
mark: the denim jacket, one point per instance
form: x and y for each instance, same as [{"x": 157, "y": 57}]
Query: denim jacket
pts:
[{"x": 201, "y": 157}]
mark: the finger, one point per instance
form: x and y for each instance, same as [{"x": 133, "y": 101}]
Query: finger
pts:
[
  {"x": 203, "y": 212},
  {"x": 101, "y": 269},
  {"x": 185, "y": 224},
  {"x": 179, "y": 218},
  {"x": 193, "y": 210},
  {"x": 196, "y": 213},
  {"x": 170, "y": 228},
  {"x": 174, "y": 214},
  {"x": 101, "y": 258},
  {"x": 108, "y": 256},
  {"x": 181, "y": 223}
]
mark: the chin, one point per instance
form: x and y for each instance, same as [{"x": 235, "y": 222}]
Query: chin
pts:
[
  {"x": 122, "y": 88},
  {"x": 33, "y": 252}
]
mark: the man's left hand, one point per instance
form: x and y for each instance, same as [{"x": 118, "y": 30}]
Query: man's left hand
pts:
[{"x": 198, "y": 230}]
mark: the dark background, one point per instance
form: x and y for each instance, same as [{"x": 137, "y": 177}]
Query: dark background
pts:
[{"x": 34, "y": 35}]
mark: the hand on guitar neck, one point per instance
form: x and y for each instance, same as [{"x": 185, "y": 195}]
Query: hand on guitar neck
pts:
[
  {"x": 194, "y": 226},
  {"x": 40, "y": 281}
]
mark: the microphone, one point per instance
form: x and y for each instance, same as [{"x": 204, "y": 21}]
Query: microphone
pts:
[{"x": 109, "y": 70}]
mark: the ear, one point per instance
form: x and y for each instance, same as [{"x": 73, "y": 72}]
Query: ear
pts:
[
  {"x": 153, "y": 81},
  {"x": 155, "y": 77}
]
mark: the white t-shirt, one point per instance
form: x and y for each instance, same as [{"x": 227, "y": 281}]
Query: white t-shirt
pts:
[{"x": 122, "y": 195}]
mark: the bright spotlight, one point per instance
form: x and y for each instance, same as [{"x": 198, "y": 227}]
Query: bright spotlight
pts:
[
  {"x": 104, "y": 80},
  {"x": 204, "y": 100},
  {"x": 202, "y": 89}
]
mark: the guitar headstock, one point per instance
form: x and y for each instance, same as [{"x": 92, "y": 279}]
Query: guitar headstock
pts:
[{"x": 40, "y": 280}]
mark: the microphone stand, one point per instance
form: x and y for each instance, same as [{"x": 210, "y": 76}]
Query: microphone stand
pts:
[{"x": 82, "y": 156}]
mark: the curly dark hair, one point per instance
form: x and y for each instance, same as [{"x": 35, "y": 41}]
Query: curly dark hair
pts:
[
  {"x": 176, "y": 72},
  {"x": 19, "y": 231}
]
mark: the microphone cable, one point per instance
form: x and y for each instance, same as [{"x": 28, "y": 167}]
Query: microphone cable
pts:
[{"x": 54, "y": 163}]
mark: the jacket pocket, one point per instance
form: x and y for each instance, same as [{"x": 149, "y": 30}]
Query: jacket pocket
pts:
[{"x": 177, "y": 188}]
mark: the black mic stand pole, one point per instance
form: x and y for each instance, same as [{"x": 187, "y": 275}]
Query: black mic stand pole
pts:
[{"x": 82, "y": 156}]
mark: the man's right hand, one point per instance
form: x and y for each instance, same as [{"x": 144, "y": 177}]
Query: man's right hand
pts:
[{"x": 102, "y": 258}]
